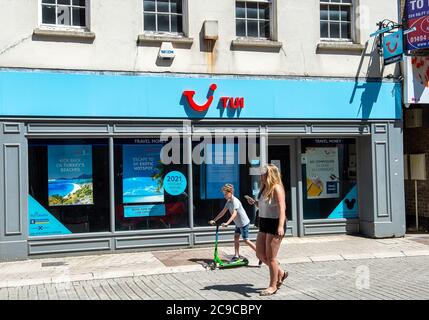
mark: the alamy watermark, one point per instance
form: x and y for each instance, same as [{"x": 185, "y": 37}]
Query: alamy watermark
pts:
[{"x": 217, "y": 146}]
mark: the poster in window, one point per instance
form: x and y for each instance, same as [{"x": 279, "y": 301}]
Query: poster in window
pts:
[
  {"x": 70, "y": 175},
  {"x": 224, "y": 168},
  {"x": 142, "y": 173},
  {"x": 322, "y": 173}
]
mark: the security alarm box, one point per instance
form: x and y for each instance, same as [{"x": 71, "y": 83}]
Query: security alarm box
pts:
[{"x": 166, "y": 51}]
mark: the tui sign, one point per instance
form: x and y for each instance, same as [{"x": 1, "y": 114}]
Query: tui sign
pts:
[{"x": 392, "y": 47}]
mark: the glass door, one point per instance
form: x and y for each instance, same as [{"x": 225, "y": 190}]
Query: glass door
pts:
[{"x": 282, "y": 153}]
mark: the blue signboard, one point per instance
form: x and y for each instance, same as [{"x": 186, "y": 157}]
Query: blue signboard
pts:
[
  {"x": 143, "y": 211},
  {"x": 142, "y": 176},
  {"x": 393, "y": 47},
  {"x": 417, "y": 16},
  {"x": 41, "y": 93}
]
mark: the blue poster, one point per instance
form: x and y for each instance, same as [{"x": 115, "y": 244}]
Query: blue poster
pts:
[
  {"x": 143, "y": 171},
  {"x": 42, "y": 222},
  {"x": 70, "y": 175},
  {"x": 148, "y": 210},
  {"x": 348, "y": 207},
  {"x": 175, "y": 183},
  {"x": 224, "y": 168}
]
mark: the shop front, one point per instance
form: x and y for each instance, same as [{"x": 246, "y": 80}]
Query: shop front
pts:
[{"x": 110, "y": 162}]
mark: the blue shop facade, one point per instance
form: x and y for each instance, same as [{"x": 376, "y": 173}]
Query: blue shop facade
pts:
[{"x": 113, "y": 161}]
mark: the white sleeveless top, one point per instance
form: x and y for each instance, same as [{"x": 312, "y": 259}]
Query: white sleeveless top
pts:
[{"x": 268, "y": 208}]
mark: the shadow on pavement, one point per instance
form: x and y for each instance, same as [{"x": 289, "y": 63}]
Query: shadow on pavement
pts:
[{"x": 243, "y": 289}]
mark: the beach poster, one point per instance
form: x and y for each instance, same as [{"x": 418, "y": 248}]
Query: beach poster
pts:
[
  {"x": 70, "y": 175},
  {"x": 322, "y": 173},
  {"x": 142, "y": 173}
]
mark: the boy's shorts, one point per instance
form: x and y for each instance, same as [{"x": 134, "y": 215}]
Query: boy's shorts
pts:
[{"x": 244, "y": 231}]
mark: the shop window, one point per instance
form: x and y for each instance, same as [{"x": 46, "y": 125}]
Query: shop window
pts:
[
  {"x": 64, "y": 12},
  {"x": 329, "y": 178},
  {"x": 336, "y": 19},
  {"x": 163, "y": 16},
  {"x": 150, "y": 193},
  {"x": 229, "y": 164},
  {"x": 68, "y": 186},
  {"x": 252, "y": 19}
]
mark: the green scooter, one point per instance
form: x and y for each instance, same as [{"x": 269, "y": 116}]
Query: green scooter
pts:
[{"x": 218, "y": 263}]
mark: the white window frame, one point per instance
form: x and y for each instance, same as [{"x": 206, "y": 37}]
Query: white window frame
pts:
[
  {"x": 167, "y": 33},
  {"x": 271, "y": 20},
  {"x": 65, "y": 27},
  {"x": 352, "y": 6}
]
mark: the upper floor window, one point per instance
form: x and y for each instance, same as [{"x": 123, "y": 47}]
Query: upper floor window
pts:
[
  {"x": 163, "y": 16},
  {"x": 336, "y": 19},
  {"x": 64, "y": 12},
  {"x": 252, "y": 19}
]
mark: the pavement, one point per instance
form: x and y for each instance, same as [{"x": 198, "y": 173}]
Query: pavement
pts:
[
  {"x": 305, "y": 252},
  {"x": 404, "y": 278}
]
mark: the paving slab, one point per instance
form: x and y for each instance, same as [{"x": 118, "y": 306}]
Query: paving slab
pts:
[{"x": 309, "y": 249}]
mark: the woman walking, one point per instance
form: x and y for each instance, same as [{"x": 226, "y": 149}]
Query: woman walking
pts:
[{"x": 272, "y": 223}]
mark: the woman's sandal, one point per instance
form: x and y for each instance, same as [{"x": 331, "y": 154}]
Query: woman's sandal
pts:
[
  {"x": 285, "y": 275},
  {"x": 265, "y": 293}
]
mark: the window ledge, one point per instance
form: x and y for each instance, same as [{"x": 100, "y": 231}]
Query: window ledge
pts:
[
  {"x": 246, "y": 43},
  {"x": 145, "y": 38},
  {"x": 340, "y": 46},
  {"x": 64, "y": 34}
]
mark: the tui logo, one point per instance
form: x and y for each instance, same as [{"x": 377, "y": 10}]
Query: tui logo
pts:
[
  {"x": 233, "y": 103},
  {"x": 389, "y": 44},
  {"x": 189, "y": 94}
]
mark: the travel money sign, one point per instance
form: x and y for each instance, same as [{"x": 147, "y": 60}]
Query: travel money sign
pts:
[{"x": 417, "y": 16}]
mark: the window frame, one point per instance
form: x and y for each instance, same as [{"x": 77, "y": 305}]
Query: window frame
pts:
[
  {"x": 270, "y": 4},
  {"x": 182, "y": 33},
  {"x": 352, "y": 7},
  {"x": 64, "y": 27}
]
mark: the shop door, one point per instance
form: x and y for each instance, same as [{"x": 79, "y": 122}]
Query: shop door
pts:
[{"x": 282, "y": 153}]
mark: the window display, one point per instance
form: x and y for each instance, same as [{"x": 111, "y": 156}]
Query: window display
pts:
[
  {"x": 225, "y": 167},
  {"x": 68, "y": 186},
  {"x": 149, "y": 194},
  {"x": 329, "y": 172}
]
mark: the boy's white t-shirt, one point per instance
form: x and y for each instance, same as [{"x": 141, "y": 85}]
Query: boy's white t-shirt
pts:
[{"x": 241, "y": 219}]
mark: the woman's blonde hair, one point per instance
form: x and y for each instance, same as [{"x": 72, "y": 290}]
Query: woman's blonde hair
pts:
[
  {"x": 228, "y": 188},
  {"x": 273, "y": 178}
]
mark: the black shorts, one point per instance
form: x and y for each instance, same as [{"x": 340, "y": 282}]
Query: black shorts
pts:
[{"x": 269, "y": 225}]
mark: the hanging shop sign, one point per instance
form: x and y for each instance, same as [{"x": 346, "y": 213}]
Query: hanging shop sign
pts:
[
  {"x": 417, "y": 16},
  {"x": 393, "y": 47},
  {"x": 416, "y": 80}
]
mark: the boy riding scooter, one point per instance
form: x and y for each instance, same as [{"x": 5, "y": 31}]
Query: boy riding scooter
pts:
[{"x": 239, "y": 216}]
